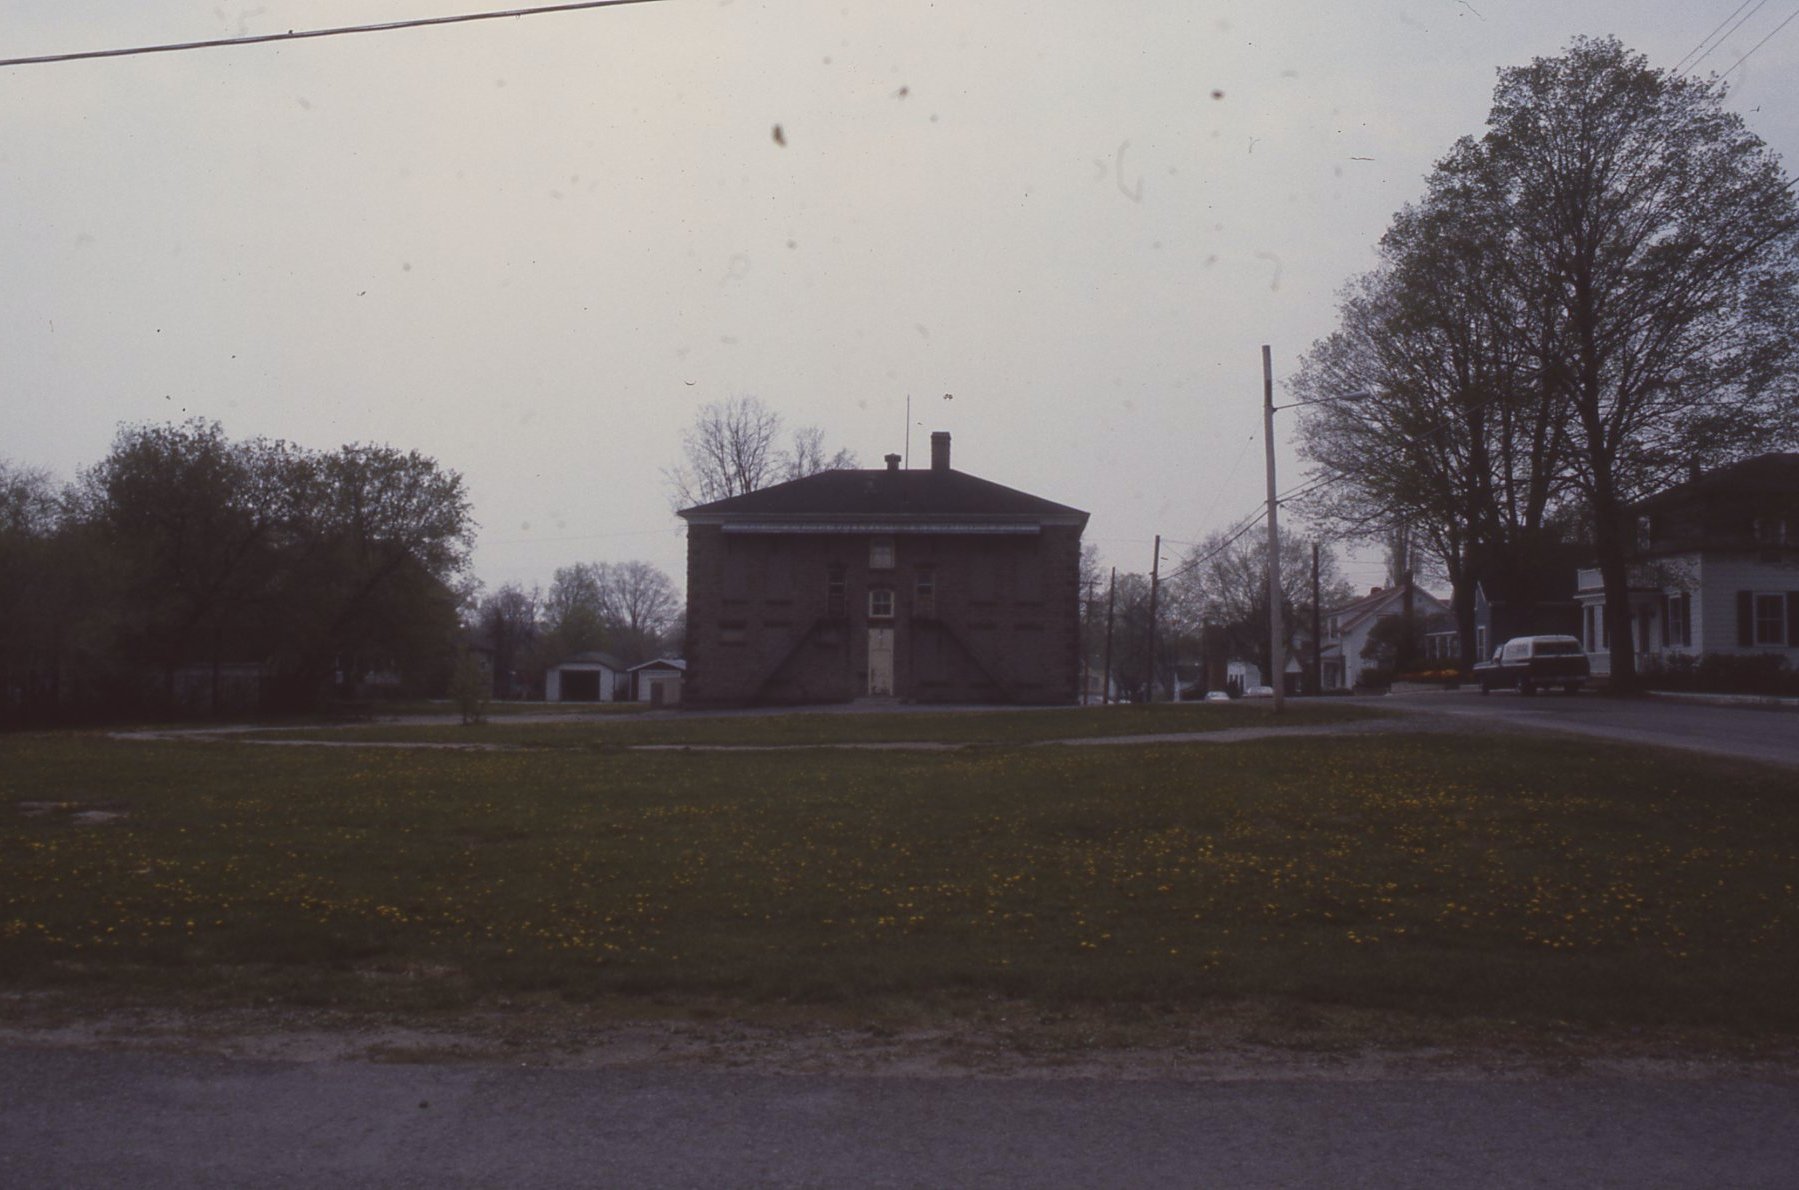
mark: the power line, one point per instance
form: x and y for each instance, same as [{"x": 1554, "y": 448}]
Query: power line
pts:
[
  {"x": 1758, "y": 45},
  {"x": 1683, "y": 58},
  {"x": 1760, "y": 4},
  {"x": 291, "y": 35}
]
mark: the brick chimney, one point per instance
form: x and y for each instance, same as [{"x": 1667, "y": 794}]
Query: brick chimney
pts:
[
  {"x": 940, "y": 450},
  {"x": 893, "y": 462}
]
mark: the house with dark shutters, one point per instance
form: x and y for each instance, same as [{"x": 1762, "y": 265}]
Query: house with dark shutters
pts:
[
  {"x": 1715, "y": 568},
  {"x": 911, "y": 584}
]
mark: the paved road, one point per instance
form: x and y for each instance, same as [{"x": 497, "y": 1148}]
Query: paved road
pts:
[
  {"x": 1743, "y": 732},
  {"x": 78, "y": 1118}
]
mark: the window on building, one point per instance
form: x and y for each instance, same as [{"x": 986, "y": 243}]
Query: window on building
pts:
[
  {"x": 1770, "y": 619},
  {"x": 836, "y": 602},
  {"x": 880, "y": 553},
  {"x": 924, "y": 593},
  {"x": 880, "y": 603},
  {"x": 1645, "y": 532},
  {"x": 732, "y": 632},
  {"x": 1678, "y": 628},
  {"x": 1769, "y": 530}
]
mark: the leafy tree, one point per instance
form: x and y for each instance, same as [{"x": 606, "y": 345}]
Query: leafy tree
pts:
[
  {"x": 631, "y": 609},
  {"x": 322, "y": 565},
  {"x": 194, "y": 521},
  {"x": 733, "y": 447},
  {"x": 377, "y": 542},
  {"x": 33, "y": 594},
  {"x": 1426, "y": 410},
  {"x": 1598, "y": 294},
  {"x": 574, "y": 612},
  {"x": 506, "y": 623},
  {"x": 1661, "y": 238}
]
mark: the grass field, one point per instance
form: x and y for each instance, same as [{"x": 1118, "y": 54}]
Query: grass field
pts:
[
  {"x": 996, "y": 726},
  {"x": 1431, "y": 876}
]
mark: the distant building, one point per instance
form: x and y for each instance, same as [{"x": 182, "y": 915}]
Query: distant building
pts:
[
  {"x": 586, "y": 677},
  {"x": 920, "y": 585},
  {"x": 658, "y": 682},
  {"x": 1347, "y": 630},
  {"x": 1715, "y": 568}
]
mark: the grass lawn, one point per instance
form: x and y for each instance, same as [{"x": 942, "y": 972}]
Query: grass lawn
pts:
[
  {"x": 1008, "y": 726},
  {"x": 1433, "y": 876}
]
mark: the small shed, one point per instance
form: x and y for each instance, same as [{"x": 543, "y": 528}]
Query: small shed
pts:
[
  {"x": 586, "y": 677},
  {"x": 658, "y": 682}
]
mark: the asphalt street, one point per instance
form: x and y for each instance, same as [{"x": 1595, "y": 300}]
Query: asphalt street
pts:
[
  {"x": 1743, "y": 732},
  {"x": 86, "y": 1118}
]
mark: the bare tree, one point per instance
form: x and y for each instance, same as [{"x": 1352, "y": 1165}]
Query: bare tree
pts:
[
  {"x": 732, "y": 448},
  {"x": 729, "y": 449},
  {"x": 1225, "y": 584},
  {"x": 641, "y": 606},
  {"x": 807, "y": 455}
]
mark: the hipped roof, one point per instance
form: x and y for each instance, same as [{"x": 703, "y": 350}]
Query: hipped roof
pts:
[{"x": 888, "y": 495}]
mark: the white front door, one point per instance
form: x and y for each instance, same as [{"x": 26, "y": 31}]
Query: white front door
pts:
[{"x": 880, "y": 661}]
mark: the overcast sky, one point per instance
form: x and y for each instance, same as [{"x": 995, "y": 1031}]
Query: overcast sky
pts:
[{"x": 532, "y": 248}]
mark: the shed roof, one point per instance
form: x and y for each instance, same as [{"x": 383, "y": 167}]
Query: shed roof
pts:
[{"x": 592, "y": 657}]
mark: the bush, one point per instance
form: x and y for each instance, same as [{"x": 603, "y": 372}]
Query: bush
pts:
[
  {"x": 1375, "y": 677},
  {"x": 470, "y": 686},
  {"x": 1722, "y": 673}
]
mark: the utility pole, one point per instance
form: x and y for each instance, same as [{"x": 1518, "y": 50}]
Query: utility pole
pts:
[
  {"x": 1155, "y": 565},
  {"x": 1276, "y": 662},
  {"x": 1317, "y": 636},
  {"x": 1404, "y": 658},
  {"x": 1105, "y": 697}
]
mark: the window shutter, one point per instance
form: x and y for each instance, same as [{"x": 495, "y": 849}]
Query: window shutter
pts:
[
  {"x": 1666, "y": 622},
  {"x": 1746, "y": 619},
  {"x": 1793, "y": 619}
]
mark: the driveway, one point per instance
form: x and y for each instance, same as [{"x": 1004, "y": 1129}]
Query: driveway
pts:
[{"x": 1746, "y": 733}]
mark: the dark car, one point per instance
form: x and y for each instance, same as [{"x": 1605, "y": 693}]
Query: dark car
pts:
[{"x": 1530, "y": 663}]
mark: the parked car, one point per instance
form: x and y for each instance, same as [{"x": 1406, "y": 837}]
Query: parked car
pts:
[
  {"x": 1217, "y": 696},
  {"x": 1531, "y": 663},
  {"x": 1259, "y": 692}
]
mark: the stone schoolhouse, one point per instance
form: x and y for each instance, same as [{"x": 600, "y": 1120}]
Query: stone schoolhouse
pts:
[{"x": 917, "y": 585}]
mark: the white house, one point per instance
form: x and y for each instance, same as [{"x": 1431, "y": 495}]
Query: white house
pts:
[
  {"x": 658, "y": 682},
  {"x": 1715, "y": 568},
  {"x": 1347, "y": 628},
  {"x": 586, "y": 677}
]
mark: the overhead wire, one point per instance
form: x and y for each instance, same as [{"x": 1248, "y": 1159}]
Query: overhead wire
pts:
[
  {"x": 293, "y": 35},
  {"x": 1680, "y": 65},
  {"x": 1759, "y": 5},
  {"x": 1758, "y": 45}
]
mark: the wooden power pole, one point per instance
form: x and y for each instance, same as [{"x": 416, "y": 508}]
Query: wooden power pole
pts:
[
  {"x": 1276, "y": 663},
  {"x": 1111, "y": 602},
  {"x": 1155, "y": 567}
]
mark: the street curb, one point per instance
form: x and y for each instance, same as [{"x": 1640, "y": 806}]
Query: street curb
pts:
[{"x": 1757, "y": 701}]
